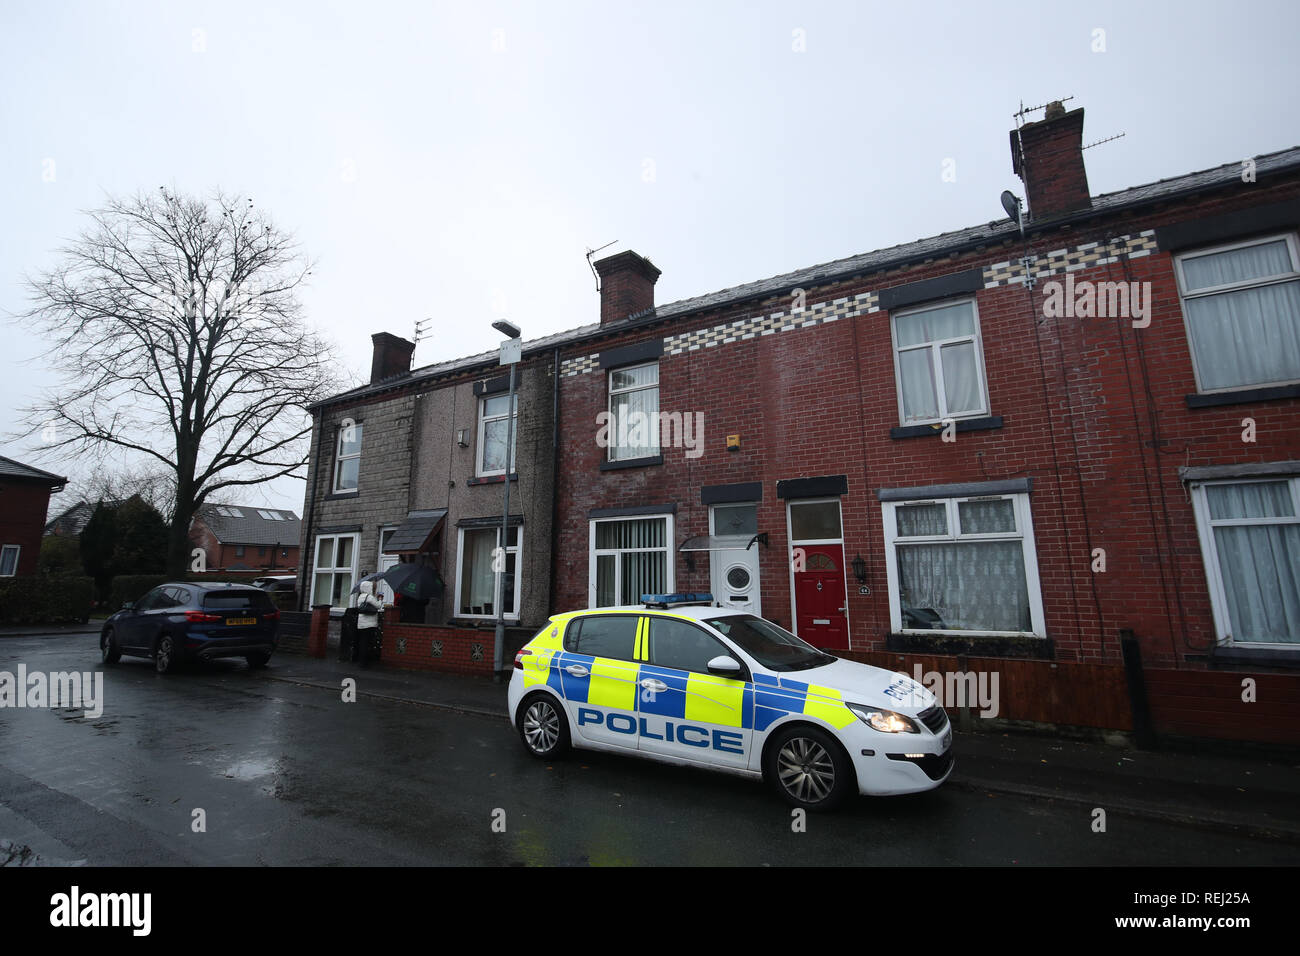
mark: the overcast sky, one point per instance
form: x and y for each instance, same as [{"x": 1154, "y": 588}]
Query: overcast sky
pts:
[{"x": 456, "y": 161}]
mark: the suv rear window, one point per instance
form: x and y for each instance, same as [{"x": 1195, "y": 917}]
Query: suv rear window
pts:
[{"x": 225, "y": 600}]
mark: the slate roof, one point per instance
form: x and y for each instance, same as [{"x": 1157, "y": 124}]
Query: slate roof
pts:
[
  {"x": 891, "y": 257},
  {"x": 75, "y": 518},
  {"x": 250, "y": 527},
  {"x": 16, "y": 469}
]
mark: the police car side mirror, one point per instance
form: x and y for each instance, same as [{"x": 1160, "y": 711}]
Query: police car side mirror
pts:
[{"x": 723, "y": 666}]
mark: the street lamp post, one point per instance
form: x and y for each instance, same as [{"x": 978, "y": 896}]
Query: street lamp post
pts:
[{"x": 510, "y": 354}]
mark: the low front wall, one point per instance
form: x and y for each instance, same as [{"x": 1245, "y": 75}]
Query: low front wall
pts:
[
  {"x": 1048, "y": 692},
  {"x": 459, "y": 650},
  {"x": 1218, "y": 704},
  {"x": 1184, "y": 703}
]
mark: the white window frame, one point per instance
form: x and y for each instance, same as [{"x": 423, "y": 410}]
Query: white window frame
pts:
[
  {"x": 18, "y": 553},
  {"x": 340, "y": 457},
  {"x": 483, "y": 419},
  {"x": 332, "y": 570},
  {"x": 670, "y": 575},
  {"x": 1205, "y": 526},
  {"x": 516, "y": 549},
  {"x": 935, "y": 357},
  {"x": 1024, "y": 533},
  {"x": 1183, "y": 296},
  {"x": 612, "y": 454}
]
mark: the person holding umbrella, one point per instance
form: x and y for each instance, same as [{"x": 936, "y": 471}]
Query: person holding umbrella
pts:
[{"x": 369, "y": 607}]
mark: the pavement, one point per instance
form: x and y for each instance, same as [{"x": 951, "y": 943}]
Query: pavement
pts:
[
  {"x": 1209, "y": 788},
  {"x": 1247, "y": 792}
]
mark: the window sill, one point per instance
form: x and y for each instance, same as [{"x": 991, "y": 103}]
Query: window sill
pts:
[
  {"x": 983, "y": 423},
  {"x": 492, "y": 479},
  {"x": 1270, "y": 656},
  {"x": 339, "y": 495},
  {"x": 938, "y": 642},
  {"x": 1242, "y": 396},
  {"x": 632, "y": 463}
]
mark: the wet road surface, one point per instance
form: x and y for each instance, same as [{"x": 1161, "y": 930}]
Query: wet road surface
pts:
[{"x": 292, "y": 775}]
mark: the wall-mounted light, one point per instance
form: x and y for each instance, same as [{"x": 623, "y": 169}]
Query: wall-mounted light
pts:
[
  {"x": 462, "y": 438},
  {"x": 860, "y": 569}
]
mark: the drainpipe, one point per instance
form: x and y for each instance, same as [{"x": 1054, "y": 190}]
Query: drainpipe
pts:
[
  {"x": 306, "y": 547},
  {"x": 555, "y": 470}
]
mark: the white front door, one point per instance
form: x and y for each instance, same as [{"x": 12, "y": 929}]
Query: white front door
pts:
[
  {"x": 733, "y": 570},
  {"x": 385, "y": 561}
]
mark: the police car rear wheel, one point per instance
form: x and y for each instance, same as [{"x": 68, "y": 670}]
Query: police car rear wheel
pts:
[
  {"x": 809, "y": 769},
  {"x": 542, "y": 726}
]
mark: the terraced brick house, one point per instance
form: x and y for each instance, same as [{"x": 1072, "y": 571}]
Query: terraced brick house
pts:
[{"x": 411, "y": 468}]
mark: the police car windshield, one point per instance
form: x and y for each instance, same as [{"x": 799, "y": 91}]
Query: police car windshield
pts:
[{"x": 772, "y": 646}]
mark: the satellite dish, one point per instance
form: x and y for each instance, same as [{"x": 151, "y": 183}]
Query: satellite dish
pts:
[{"x": 1011, "y": 204}]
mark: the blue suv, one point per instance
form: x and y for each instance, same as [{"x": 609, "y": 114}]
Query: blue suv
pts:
[{"x": 191, "y": 620}]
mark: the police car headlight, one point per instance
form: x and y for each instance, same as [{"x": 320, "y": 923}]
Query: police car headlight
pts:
[{"x": 886, "y": 721}]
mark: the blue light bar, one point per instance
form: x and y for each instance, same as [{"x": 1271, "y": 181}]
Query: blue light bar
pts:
[{"x": 663, "y": 600}]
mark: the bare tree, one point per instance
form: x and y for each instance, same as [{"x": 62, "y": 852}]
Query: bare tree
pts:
[{"x": 177, "y": 336}]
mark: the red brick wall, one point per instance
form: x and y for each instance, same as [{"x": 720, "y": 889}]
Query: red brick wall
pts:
[
  {"x": 1082, "y": 402},
  {"x": 22, "y": 520},
  {"x": 416, "y": 643}
]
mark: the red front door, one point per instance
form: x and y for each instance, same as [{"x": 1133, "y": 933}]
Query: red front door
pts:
[{"x": 820, "y": 602}]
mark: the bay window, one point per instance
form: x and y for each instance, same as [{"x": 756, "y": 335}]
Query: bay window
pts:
[
  {"x": 493, "y": 424},
  {"x": 479, "y": 562},
  {"x": 1241, "y": 303},
  {"x": 347, "y": 458},
  {"x": 634, "y": 412},
  {"x": 1250, "y": 540},
  {"x": 938, "y": 363},
  {"x": 964, "y": 565},
  {"x": 335, "y": 570},
  {"x": 629, "y": 557}
]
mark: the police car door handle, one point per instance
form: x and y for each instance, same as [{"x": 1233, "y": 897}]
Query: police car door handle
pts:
[
  {"x": 654, "y": 686},
  {"x": 577, "y": 670}
]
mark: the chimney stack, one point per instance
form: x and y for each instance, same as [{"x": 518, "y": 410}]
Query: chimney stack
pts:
[
  {"x": 392, "y": 356},
  {"x": 627, "y": 285},
  {"x": 1048, "y": 157}
]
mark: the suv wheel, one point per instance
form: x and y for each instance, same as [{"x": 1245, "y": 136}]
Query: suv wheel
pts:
[
  {"x": 809, "y": 769},
  {"x": 164, "y": 659},
  {"x": 108, "y": 648},
  {"x": 543, "y": 727}
]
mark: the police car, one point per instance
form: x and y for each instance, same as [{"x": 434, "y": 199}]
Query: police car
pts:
[{"x": 681, "y": 681}]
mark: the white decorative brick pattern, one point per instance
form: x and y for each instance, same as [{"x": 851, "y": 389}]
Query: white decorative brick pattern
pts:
[
  {"x": 1089, "y": 255},
  {"x": 819, "y": 313},
  {"x": 576, "y": 366}
]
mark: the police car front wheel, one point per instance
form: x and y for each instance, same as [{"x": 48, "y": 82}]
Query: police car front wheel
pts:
[
  {"x": 809, "y": 769},
  {"x": 543, "y": 727}
]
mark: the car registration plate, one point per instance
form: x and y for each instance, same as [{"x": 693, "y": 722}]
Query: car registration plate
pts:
[{"x": 233, "y": 621}]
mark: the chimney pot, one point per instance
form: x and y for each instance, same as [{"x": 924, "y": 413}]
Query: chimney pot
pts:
[
  {"x": 627, "y": 285},
  {"x": 391, "y": 356},
  {"x": 1048, "y": 158}
]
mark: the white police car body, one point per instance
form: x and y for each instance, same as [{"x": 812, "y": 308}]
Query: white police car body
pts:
[{"x": 681, "y": 681}]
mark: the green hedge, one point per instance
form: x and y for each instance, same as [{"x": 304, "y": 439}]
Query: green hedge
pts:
[
  {"x": 46, "y": 599},
  {"x": 132, "y": 587}
]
